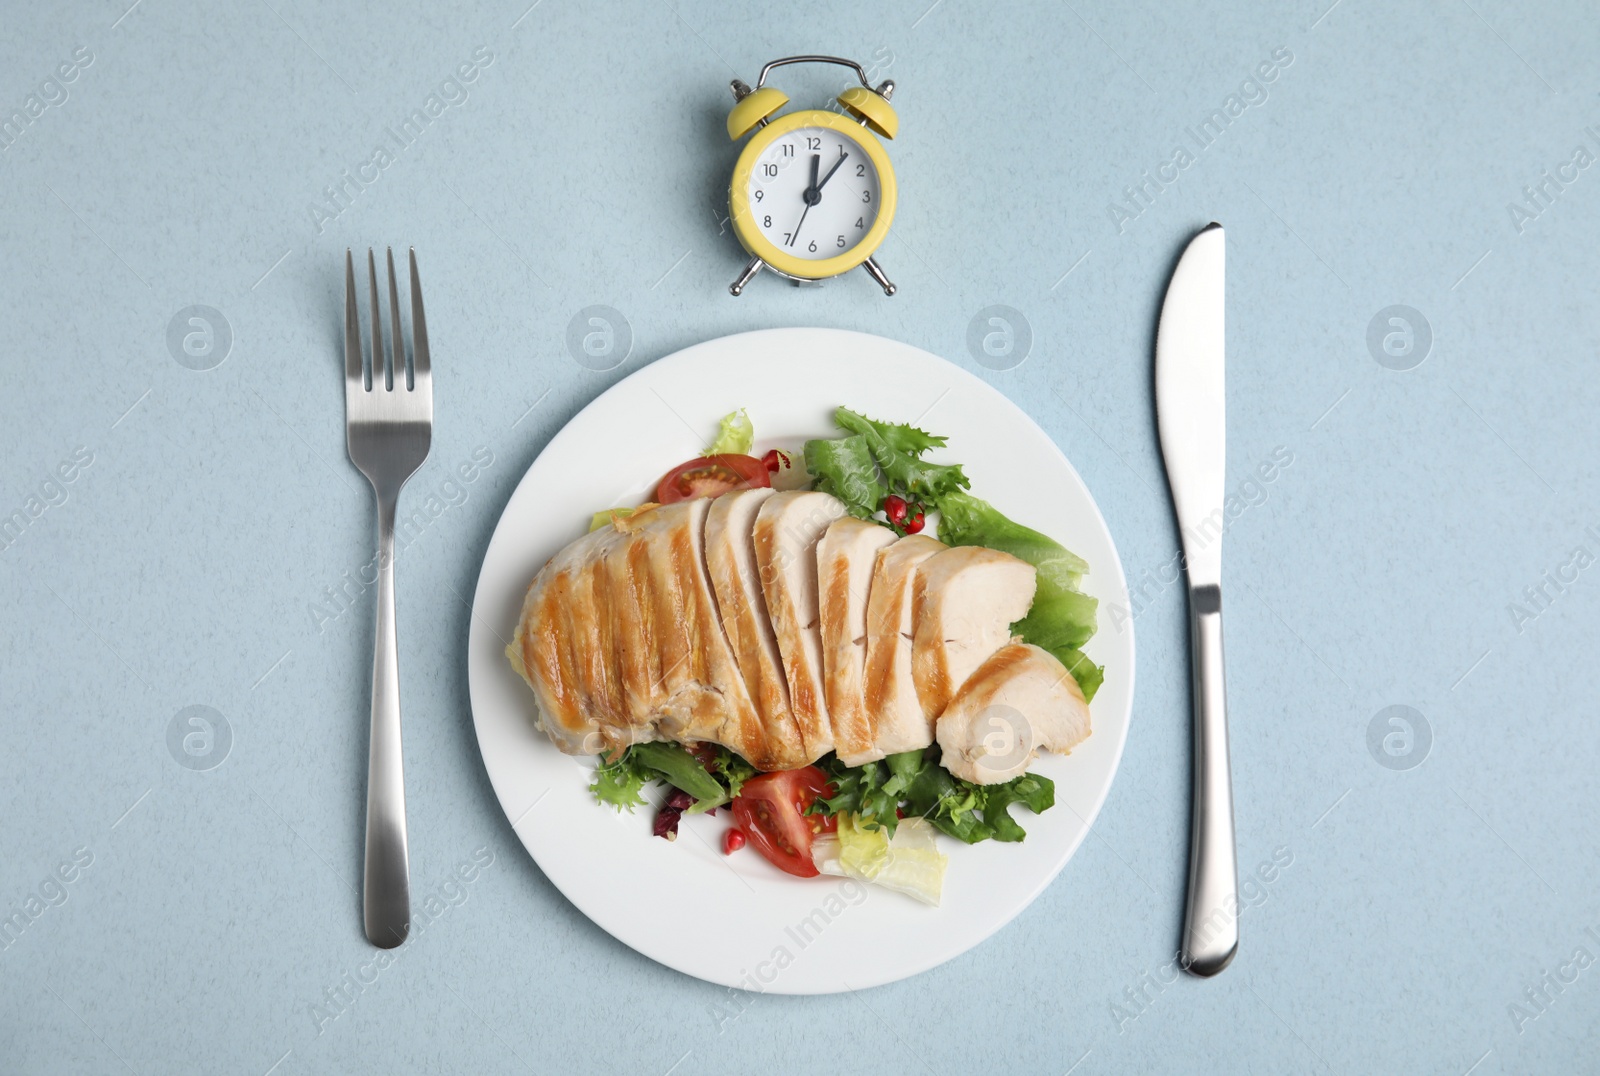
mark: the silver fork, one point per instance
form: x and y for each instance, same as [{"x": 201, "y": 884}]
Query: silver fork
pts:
[{"x": 388, "y": 410}]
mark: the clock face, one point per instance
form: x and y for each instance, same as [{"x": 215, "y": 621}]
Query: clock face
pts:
[{"x": 814, "y": 193}]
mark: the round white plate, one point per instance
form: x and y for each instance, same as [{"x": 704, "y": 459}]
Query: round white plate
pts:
[{"x": 734, "y": 919}]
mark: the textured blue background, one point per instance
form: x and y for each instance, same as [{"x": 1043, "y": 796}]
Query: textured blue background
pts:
[{"x": 587, "y": 166}]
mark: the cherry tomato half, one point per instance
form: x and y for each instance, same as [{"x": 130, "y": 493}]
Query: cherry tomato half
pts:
[
  {"x": 770, "y": 809},
  {"x": 712, "y": 476}
]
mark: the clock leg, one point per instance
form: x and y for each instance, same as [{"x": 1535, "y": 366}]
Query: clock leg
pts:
[
  {"x": 875, "y": 271},
  {"x": 737, "y": 287}
]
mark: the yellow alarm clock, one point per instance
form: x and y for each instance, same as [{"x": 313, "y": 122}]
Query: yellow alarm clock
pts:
[{"x": 813, "y": 193}]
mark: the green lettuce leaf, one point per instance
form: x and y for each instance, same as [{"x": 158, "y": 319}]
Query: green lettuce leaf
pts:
[
  {"x": 914, "y": 783},
  {"x": 620, "y": 781},
  {"x": 675, "y": 765},
  {"x": 897, "y": 450},
  {"x": 732, "y": 769},
  {"x": 736, "y": 436},
  {"x": 845, "y": 468}
]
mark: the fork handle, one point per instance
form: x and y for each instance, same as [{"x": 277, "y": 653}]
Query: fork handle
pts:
[
  {"x": 1211, "y": 920},
  {"x": 386, "y": 882}
]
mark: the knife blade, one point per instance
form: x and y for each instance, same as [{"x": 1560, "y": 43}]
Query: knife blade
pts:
[{"x": 1191, "y": 408}]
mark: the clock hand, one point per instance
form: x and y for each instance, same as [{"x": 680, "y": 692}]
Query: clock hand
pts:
[
  {"x": 810, "y": 195},
  {"x": 818, "y": 186}
]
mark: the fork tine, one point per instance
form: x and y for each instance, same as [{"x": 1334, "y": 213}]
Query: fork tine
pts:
[
  {"x": 380, "y": 368},
  {"x": 421, "y": 364},
  {"x": 397, "y": 343},
  {"x": 352, "y": 326}
]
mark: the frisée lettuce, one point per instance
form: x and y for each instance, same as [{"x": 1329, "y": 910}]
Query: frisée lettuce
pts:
[
  {"x": 736, "y": 436},
  {"x": 914, "y": 784}
]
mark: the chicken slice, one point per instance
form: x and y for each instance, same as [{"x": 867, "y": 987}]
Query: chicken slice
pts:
[
  {"x": 1019, "y": 702},
  {"x": 701, "y": 694},
  {"x": 888, "y": 690},
  {"x": 731, "y": 563},
  {"x": 963, "y": 604},
  {"x": 846, "y": 556},
  {"x": 620, "y": 640},
  {"x": 558, "y": 622},
  {"x": 785, "y": 534}
]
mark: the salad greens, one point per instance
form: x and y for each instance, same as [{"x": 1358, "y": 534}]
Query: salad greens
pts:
[
  {"x": 878, "y": 459},
  {"x": 913, "y": 782},
  {"x": 908, "y": 862},
  {"x": 736, "y": 436},
  {"x": 713, "y": 776}
]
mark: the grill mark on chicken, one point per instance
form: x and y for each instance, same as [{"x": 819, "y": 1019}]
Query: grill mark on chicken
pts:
[
  {"x": 963, "y": 604},
  {"x": 846, "y": 557},
  {"x": 898, "y": 722},
  {"x": 642, "y": 597},
  {"x": 735, "y": 578},
  {"x": 788, "y": 582}
]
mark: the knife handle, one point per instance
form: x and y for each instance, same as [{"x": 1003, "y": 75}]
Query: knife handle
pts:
[{"x": 1211, "y": 919}]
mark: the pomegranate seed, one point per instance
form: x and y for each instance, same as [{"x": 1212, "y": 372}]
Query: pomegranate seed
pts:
[
  {"x": 732, "y": 841},
  {"x": 914, "y": 524},
  {"x": 772, "y": 460},
  {"x": 895, "y": 508}
]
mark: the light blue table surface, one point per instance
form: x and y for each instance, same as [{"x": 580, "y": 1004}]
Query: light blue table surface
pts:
[{"x": 171, "y": 155}]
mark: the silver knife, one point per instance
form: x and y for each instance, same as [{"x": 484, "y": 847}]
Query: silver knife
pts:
[{"x": 1190, "y": 411}]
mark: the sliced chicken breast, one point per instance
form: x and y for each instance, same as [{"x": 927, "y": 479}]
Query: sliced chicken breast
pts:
[
  {"x": 736, "y": 582},
  {"x": 963, "y": 604},
  {"x": 1019, "y": 702},
  {"x": 847, "y": 553},
  {"x": 888, "y": 689},
  {"x": 556, "y": 623},
  {"x": 620, "y": 640},
  {"x": 785, "y": 534}
]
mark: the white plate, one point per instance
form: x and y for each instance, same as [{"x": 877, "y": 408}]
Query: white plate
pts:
[{"x": 736, "y": 920}]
